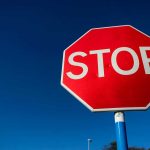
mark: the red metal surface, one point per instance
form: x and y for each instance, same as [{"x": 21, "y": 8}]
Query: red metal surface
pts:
[{"x": 113, "y": 91}]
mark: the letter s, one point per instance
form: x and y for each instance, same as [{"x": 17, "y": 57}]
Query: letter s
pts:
[{"x": 79, "y": 64}]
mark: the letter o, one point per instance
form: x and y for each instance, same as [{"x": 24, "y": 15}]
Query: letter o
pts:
[{"x": 135, "y": 61}]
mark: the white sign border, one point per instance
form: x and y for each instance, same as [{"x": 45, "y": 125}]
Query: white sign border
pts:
[{"x": 80, "y": 99}]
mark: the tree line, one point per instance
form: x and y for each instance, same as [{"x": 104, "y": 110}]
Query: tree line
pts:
[{"x": 113, "y": 146}]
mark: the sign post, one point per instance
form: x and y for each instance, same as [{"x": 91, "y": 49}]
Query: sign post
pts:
[
  {"x": 121, "y": 134},
  {"x": 108, "y": 69}
]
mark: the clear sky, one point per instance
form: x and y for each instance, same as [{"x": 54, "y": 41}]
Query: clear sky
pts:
[{"x": 36, "y": 113}]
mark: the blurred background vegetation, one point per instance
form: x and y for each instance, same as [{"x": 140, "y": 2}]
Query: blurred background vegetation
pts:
[{"x": 113, "y": 146}]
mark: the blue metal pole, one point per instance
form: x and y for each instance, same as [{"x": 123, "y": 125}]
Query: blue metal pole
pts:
[
  {"x": 122, "y": 143},
  {"x": 89, "y": 141}
]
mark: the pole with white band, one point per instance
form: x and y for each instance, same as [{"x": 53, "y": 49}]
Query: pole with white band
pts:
[{"x": 122, "y": 143}]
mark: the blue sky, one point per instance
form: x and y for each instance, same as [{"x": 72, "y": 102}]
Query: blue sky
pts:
[{"x": 36, "y": 113}]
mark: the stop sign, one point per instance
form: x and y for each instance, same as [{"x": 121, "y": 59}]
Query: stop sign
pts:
[{"x": 108, "y": 69}]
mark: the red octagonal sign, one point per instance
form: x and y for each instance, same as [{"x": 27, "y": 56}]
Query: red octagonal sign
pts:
[{"x": 108, "y": 69}]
